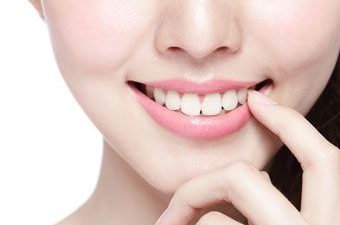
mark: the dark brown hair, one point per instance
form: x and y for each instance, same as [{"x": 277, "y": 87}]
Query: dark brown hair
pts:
[{"x": 285, "y": 171}]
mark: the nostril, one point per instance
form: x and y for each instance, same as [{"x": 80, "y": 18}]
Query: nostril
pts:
[
  {"x": 174, "y": 49},
  {"x": 222, "y": 49}
]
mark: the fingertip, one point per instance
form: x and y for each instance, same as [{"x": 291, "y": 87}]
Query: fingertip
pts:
[
  {"x": 250, "y": 97},
  {"x": 251, "y": 101},
  {"x": 258, "y": 98},
  {"x": 260, "y": 107}
]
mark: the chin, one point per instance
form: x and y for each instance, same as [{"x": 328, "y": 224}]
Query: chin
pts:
[{"x": 167, "y": 176}]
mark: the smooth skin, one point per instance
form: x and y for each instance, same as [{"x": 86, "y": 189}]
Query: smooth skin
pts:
[
  {"x": 100, "y": 44},
  {"x": 251, "y": 191}
]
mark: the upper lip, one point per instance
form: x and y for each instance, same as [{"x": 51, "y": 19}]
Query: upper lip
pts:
[{"x": 212, "y": 86}]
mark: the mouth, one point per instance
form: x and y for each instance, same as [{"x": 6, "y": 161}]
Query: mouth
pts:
[{"x": 200, "y": 111}]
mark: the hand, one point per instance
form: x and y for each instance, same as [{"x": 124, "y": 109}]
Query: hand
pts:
[{"x": 255, "y": 197}]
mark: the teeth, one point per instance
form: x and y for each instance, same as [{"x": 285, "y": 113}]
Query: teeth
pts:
[
  {"x": 173, "y": 100},
  {"x": 242, "y": 95},
  {"x": 159, "y": 96},
  {"x": 211, "y": 104},
  {"x": 229, "y": 100},
  {"x": 190, "y": 104}
]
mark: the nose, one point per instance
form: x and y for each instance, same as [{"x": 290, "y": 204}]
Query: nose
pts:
[{"x": 198, "y": 29}]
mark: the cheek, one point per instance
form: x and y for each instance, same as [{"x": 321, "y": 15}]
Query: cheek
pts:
[
  {"x": 98, "y": 34},
  {"x": 300, "y": 41},
  {"x": 298, "y": 33}
]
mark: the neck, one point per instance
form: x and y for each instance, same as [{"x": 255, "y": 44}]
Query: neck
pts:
[{"x": 123, "y": 197}]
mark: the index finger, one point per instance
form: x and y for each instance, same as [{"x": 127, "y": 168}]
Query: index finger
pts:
[
  {"x": 319, "y": 159},
  {"x": 294, "y": 130}
]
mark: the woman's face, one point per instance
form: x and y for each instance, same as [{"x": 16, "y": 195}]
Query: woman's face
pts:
[{"x": 101, "y": 44}]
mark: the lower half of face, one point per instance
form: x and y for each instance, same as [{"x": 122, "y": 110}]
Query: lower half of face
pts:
[{"x": 101, "y": 45}]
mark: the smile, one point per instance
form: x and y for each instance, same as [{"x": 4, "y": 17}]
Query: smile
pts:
[{"x": 200, "y": 111}]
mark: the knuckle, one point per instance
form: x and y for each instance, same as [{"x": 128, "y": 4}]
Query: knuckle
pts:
[
  {"x": 179, "y": 196},
  {"x": 236, "y": 174},
  {"x": 209, "y": 218},
  {"x": 239, "y": 167},
  {"x": 329, "y": 158}
]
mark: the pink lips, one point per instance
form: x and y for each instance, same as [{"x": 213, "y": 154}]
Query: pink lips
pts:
[{"x": 197, "y": 127}]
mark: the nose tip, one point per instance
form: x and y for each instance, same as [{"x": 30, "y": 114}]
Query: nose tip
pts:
[{"x": 198, "y": 31}]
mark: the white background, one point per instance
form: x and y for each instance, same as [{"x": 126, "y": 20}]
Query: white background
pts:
[{"x": 50, "y": 152}]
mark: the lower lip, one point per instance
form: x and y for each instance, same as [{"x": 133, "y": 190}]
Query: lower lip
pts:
[{"x": 196, "y": 127}]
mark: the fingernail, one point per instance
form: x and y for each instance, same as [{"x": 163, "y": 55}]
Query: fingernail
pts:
[{"x": 261, "y": 98}]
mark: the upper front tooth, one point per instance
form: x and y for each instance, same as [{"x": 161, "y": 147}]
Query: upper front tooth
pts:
[
  {"x": 173, "y": 100},
  {"x": 229, "y": 100},
  {"x": 190, "y": 104},
  {"x": 159, "y": 96},
  {"x": 211, "y": 104},
  {"x": 242, "y": 95}
]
